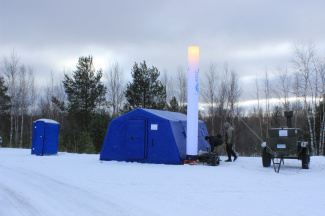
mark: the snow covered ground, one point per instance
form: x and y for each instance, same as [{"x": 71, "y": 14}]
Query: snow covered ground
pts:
[{"x": 80, "y": 184}]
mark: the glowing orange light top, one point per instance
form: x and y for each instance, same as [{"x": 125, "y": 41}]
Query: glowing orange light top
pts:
[{"x": 193, "y": 54}]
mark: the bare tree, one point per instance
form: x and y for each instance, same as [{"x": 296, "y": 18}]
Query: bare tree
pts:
[
  {"x": 259, "y": 109},
  {"x": 283, "y": 86},
  {"x": 57, "y": 91},
  {"x": 209, "y": 93},
  {"x": 11, "y": 73},
  {"x": 229, "y": 92},
  {"x": 320, "y": 67},
  {"x": 297, "y": 105},
  {"x": 115, "y": 88},
  {"x": 24, "y": 91},
  {"x": 233, "y": 94},
  {"x": 234, "y": 91},
  {"x": 47, "y": 104},
  {"x": 303, "y": 62},
  {"x": 267, "y": 101},
  {"x": 168, "y": 81},
  {"x": 33, "y": 100},
  {"x": 182, "y": 88},
  {"x": 323, "y": 102},
  {"x": 52, "y": 93},
  {"x": 222, "y": 95}
]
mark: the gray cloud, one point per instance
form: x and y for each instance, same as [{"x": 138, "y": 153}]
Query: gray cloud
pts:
[{"x": 249, "y": 35}]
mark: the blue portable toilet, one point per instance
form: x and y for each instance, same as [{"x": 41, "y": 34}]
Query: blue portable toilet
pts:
[
  {"x": 45, "y": 137},
  {"x": 150, "y": 136}
]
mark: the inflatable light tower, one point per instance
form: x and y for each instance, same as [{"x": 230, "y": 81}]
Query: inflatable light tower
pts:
[{"x": 192, "y": 104}]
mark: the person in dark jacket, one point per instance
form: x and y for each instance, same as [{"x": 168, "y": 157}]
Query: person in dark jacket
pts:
[
  {"x": 230, "y": 140},
  {"x": 214, "y": 141}
]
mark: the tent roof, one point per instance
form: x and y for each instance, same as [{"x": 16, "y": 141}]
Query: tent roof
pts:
[{"x": 172, "y": 116}]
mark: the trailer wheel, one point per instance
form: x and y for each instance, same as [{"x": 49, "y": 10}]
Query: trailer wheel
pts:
[
  {"x": 266, "y": 158},
  {"x": 305, "y": 158}
]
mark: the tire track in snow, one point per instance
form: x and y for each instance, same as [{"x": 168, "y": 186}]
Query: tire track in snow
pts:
[
  {"x": 48, "y": 193},
  {"x": 20, "y": 205}
]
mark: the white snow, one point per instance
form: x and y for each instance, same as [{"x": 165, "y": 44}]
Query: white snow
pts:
[{"x": 80, "y": 184}]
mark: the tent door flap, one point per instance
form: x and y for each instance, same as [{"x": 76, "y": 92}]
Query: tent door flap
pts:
[{"x": 135, "y": 144}]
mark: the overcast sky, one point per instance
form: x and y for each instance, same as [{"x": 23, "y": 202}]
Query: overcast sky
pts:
[{"x": 250, "y": 35}]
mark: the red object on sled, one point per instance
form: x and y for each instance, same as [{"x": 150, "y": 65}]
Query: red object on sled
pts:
[{"x": 191, "y": 162}]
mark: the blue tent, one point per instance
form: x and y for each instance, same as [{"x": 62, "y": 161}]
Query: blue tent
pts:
[
  {"x": 45, "y": 137},
  {"x": 149, "y": 136}
]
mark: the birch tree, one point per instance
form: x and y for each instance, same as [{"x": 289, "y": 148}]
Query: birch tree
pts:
[
  {"x": 303, "y": 61},
  {"x": 320, "y": 65},
  {"x": 11, "y": 73},
  {"x": 115, "y": 88},
  {"x": 322, "y": 132}
]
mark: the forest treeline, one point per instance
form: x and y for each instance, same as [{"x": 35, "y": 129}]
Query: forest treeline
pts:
[{"x": 85, "y": 100}]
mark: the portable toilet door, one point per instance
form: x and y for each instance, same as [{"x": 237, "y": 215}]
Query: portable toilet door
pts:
[
  {"x": 51, "y": 138},
  {"x": 38, "y": 138}
]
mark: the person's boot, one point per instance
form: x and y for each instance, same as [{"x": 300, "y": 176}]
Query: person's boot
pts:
[
  {"x": 229, "y": 160},
  {"x": 235, "y": 157}
]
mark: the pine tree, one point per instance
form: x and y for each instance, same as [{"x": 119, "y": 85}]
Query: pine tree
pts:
[
  {"x": 85, "y": 143},
  {"x": 85, "y": 93},
  {"x": 146, "y": 91},
  {"x": 4, "y": 98},
  {"x": 173, "y": 105},
  {"x": 98, "y": 129}
]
